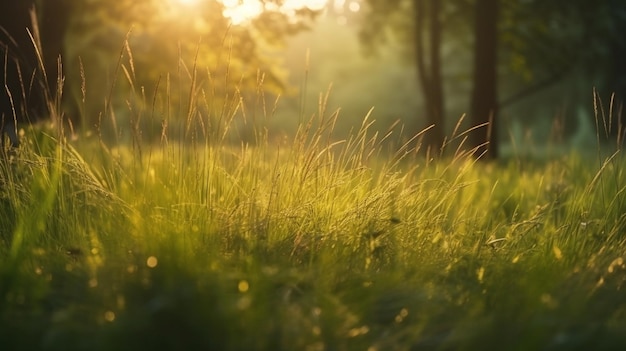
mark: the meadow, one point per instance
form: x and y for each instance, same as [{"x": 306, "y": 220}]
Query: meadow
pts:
[{"x": 307, "y": 242}]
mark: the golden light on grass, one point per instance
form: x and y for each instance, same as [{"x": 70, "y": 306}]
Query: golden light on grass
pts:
[
  {"x": 558, "y": 254},
  {"x": 480, "y": 274}
]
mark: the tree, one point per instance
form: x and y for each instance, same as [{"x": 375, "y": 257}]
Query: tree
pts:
[
  {"x": 539, "y": 42},
  {"x": 419, "y": 23},
  {"x": 428, "y": 21},
  {"x": 617, "y": 79},
  {"x": 484, "y": 98},
  {"x": 171, "y": 52},
  {"x": 167, "y": 40},
  {"x": 21, "y": 95},
  {"x": 430, "y": 76},
  {"x": 576, "y": 43},
  {"x": 30, "y": 49},
  {"x": 484, "y": 103},
  {"x": 54, "y": 18}
]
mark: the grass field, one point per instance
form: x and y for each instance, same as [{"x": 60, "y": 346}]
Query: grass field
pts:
[{"x": 307, "y": 244}]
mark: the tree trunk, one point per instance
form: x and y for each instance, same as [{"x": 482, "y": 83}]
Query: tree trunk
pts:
[
  {"x": 26, "y": 90},
  {"x": 484, "y": 96},
  {"x": 55, "y": 16},
  {"x": 617, "y": 70},
  {"x": 54, "y": 19},
  {"x": 430, "y": 78},
  {"x": 21, "y": 90}
]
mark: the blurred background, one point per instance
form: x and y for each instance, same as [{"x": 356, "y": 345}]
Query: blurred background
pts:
[{"x": 185, "y": 65}]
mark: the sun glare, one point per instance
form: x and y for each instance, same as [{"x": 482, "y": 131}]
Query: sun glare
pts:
[{"x": 241, "y": 11}]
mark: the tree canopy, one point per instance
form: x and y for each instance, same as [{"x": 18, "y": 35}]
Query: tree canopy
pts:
[
  {"x": 169, "y": 48},
  {"x": 180, "y": 42}
]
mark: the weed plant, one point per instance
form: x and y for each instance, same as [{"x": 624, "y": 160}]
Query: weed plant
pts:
[{"x": 309, "y": 242}]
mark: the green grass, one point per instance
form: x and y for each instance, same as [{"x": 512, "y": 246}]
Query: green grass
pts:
[{"x": 306, "y": 244}]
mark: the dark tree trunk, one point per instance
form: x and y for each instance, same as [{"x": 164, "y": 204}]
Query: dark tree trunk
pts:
[
  {"x": 26, "y": 89},
  {"x": 484, "y": 96},
  {"x": 55, "y": 15},
  {"x": 429, "y": 74},
  {"x": 617, "y": 71},
  {"x": 21, "y": 90}
]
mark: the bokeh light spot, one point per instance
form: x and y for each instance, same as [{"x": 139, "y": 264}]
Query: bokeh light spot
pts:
[
  {"x": 354, "y": 6},
  {"x": 243, "y": 286},
  {"x": 152, "y": 262},
  {"x": 109, "y": 316}
]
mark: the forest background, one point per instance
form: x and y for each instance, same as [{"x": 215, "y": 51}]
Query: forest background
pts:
[{"x": 414, "y": 62}]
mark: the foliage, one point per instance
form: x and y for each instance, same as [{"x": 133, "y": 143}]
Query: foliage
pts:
[
  {"x": 173, "y": 44},
  {"x": 310, "y": 243},
  {"x": 539, "y": 45},
  {"x": 540, "y": 39},
  {"x": 544, "y": 39}
]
